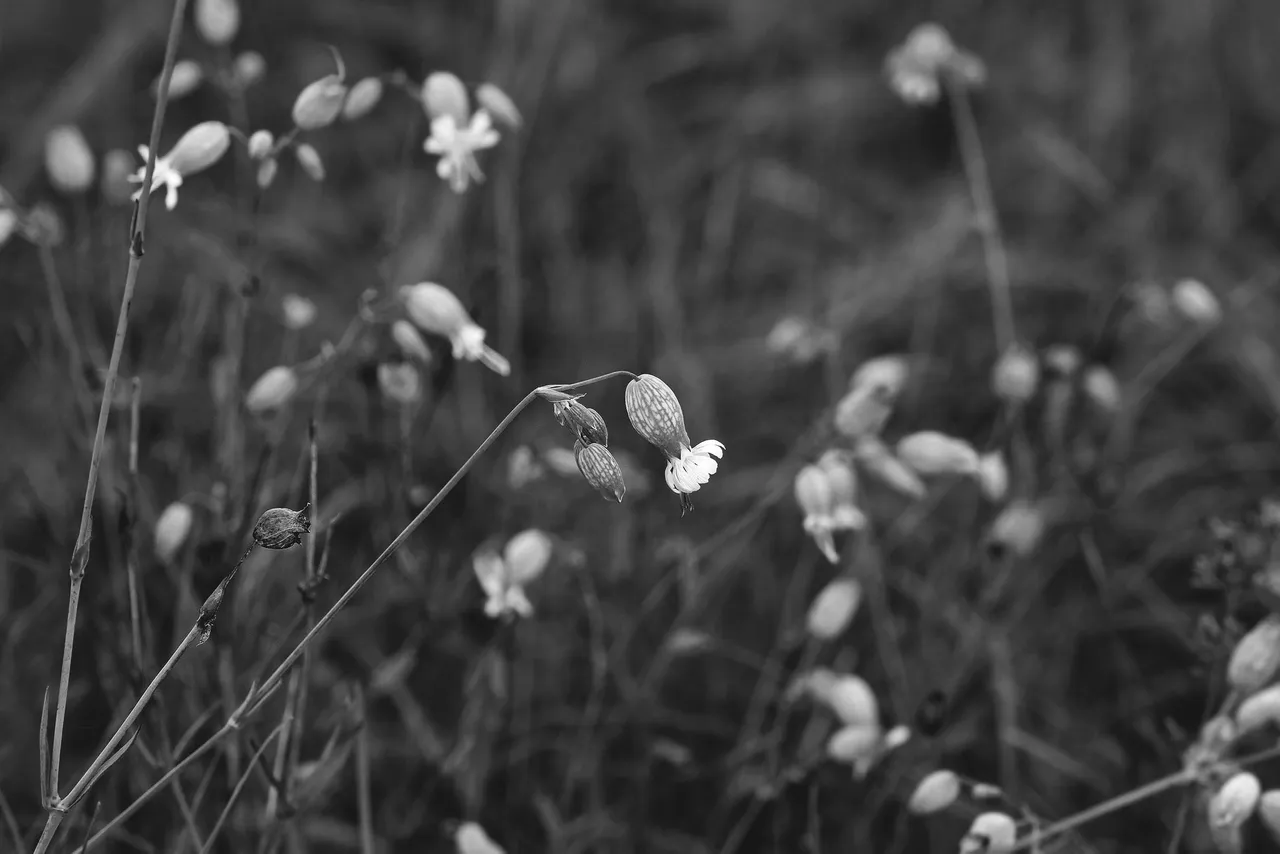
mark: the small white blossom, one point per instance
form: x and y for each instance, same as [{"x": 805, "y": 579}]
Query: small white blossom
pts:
[
  {"x": 197, "y": 150},
  {"x": 504, "y": 577},
  {"x": 457, "y": 145},
  {"x": 436, "y": 309}
]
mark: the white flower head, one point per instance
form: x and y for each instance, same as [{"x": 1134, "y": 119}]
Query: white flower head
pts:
[
  {"x": 916, "y": 68},
  {"x": 197, "y": 150},
  {"x": 504, "y": 577},
  {"x": 457, "y": 143}
]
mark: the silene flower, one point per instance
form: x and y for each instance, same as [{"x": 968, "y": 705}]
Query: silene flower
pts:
[
  {"x": 915, "y": 69},
  {"x": 435, "y": 308},
  {"x": 504, "y": 577},
  {"x": 656, "y": 415},
  {"x": 197, "y": 150},
  {"x": 457, "y": 143}
]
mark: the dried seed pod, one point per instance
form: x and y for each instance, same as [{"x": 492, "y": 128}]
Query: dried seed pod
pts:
[
  {"x": 600, "y": 469},
  {"x": 281, "y": 528},
  {"x": 585, "y": 423}
]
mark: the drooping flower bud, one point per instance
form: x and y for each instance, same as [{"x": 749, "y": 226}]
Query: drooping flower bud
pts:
[
  {"x": 1234, "y": 803},
  {"x": 299, "y": 312},
  {"x": 267, "y": 171},
  {"x": 990, "y": 833},
  {"x": 1196, "y": 302},
  {"x": 853, "y": 701},
  {"x": 217, "y": 21},
  {"x": 117, "y": 166},
  {"x": 400, "y": 382},
  {"x": 585, "y": 423},
  {"x": 319, "y": 104},
  {"x": 435, "y": 309},
  {"x": 655, "y": 413},
  {"x": 309, "y": 159},
  {"x": 1018, "y": 529},
  {"x": 410, "y": 342},
  {"x": 499, "y": 105},
  {"x": 172, "y": 529},
  {"x": 1101, "y": 388},
  {"x": 843, "y": 480},
  {"x": 281, "y": 528},
  {"x": 1016, "y": 375},
  {"x": 855, "y": 744},
  {"x": 1063, "y": 360},
  {"x": 934, "y": 793},
  {"x": 275, "y": 388},
  {"x": 876, "y": 458},
  {"x": 249, "y": 68},
  {"x": 260, "y": 144},
  {"x": 444, "y": 95},
  {"x": 1259, "y": 710},
  {"x": 527, "y": 555},
  {"x": 863, "y": 411},
  {"x": 817, "y": 502},
  {"x": 932, "y": 453},
  {"x": 363, "y": 97},
  {"x": 993, "y": 475},
  {"x": 601, "y": 470},
  {"x": 69, "y": 160},
  {"x": 43, "y": 226},
  {"x": 471, "y": 838},
  {"x": 186, "y": 77},
  {"x": 834, "y": 608},
  {"x": 1256, "y": 658},
  {"x": 199, "y": 148}
]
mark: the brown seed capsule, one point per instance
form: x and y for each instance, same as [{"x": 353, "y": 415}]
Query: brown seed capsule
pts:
[
  {"x": 281, "y": 528},
  {"x": 600, "y": 469},
  {"x": 656, "y": 415},
  {"x": 587, "y": 424}
]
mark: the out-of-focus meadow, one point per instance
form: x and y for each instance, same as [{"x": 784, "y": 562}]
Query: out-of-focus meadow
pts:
[{"x": 727, "y": 194}]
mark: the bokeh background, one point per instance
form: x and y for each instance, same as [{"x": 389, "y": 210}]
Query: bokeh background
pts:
[{"x": 689, "y": 173}]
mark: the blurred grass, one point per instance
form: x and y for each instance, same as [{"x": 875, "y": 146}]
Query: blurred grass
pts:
[{"x": 691, "y": 172}]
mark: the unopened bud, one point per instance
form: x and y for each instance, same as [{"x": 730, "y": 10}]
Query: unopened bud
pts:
[
  {"x": 876, "y": 458},
  {"x": 888, "y": 374},
  {"x": 281, "y": 528},
  {"x": 993, "y": 475},
  {"x": 172, "y": 529},
  {"x": 69, "y": 160},
  {"x": 1015, "y": 375},
  {"x": 400, "y": 382},
  {"x": 1063, "y": 360},
  {"x": 43, "y": 226},
  {"x": 990, "y": 833},
  {"x": 117, "y": 166},
  {"x": 410, "y": 341},
  {"x": 272, "y": 390},
  {"x": 299, "y": 312},
  {"x": 471, "y": 838},
  {"x": 527, "y": 555},
  {"x": 362, "y": 98},
  {"x": 1018, "y": 529},
  {"x": 260, "y": 144},
  {"x": 932, "y": 453},
  {"x": 217, "y": 21},
  {"x": 435, "y": 308},
  {"x": 601, "y": 470},
  {"x": 1196, "y": 302},
  {"x": 186, "y": 77},
  {"x": 249, "y": 68},
  {"x": 934, "y": 793},
  {"x": 319, "y": 104},
  {"x": 499, "y": 105},
  {"x": 1234, "y": 803},
  {"x": 267, "y": 170},
  {"x": 864, "y": 410},
  {"x": 1101, "y": 388},
  {"x": 585, "y": 423},
  {"x": 854, "y": 744},
  {"x": 1259, "y": 710},
  {"x": 199, "y": 148},
  {"x": 1256, "y": 658},
  {"x": 444, "y": 95},
  {"x": 853, "y": 701},
  {"x": 309, "y": 160},
  {"x": 834, "y": 608}
]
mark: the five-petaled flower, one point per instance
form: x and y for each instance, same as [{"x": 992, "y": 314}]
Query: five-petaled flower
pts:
[
  {"x": 197, "y": 150},
  {"x": 656, "y": 415},
  {"x": 503, "y": 577},
  {"x": 457, "y": 144}
]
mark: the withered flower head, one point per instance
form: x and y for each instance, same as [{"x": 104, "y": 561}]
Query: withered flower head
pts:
[{"x": 281, "y": 528}]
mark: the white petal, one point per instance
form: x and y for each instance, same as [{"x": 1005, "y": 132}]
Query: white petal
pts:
[
  {"x": 517, "y": 601},
  {"x": 710, "y": 447},
  {"x": 491, "y": 572},
  {"x": 171, "y": 197}
]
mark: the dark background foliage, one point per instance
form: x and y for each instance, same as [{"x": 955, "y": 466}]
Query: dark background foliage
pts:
[{"x": 690, "y": 172}]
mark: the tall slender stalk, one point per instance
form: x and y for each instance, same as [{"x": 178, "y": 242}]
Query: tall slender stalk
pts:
[{"x": 80, "y": 554}]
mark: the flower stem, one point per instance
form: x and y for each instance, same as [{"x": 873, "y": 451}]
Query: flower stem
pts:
[{"x": 80, "y": 553}]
